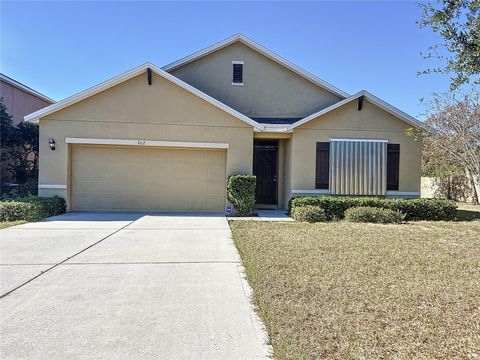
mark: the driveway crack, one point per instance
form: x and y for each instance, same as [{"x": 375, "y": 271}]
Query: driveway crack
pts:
[{"x": 43, "y": 272}]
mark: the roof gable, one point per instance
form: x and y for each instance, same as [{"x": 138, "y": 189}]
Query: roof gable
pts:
[
  {"x": 370, "y": 97},
  {"x": 262, "y": 50},
  {"x": 34, "y": 117}
]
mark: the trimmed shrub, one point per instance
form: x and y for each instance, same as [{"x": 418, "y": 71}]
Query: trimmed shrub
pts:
[
  {"x": 31, "y": 208},
  {"x": 19, "y": 210},
  {"x": 370, "y": 214},
  {"x": 51, "y": 206},
  {"x": 414, "y": 209},
  {"x": 334, "y": 206},
  {"x": 309, "y": 213},
  {"x": 425, "y": 209},
  {"x": 241, "y": 193}
]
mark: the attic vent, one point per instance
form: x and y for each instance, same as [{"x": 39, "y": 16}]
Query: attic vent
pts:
[{"x": 237, "y": 73}]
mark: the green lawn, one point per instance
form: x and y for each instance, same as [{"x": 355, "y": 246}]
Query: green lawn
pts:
[
  {"x": 6, "y": 224},
  {"x": 364, "y": 291}
]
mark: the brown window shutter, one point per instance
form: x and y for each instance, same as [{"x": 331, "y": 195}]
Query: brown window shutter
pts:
[
  {"x": 237, "y": 73},
  {"x": 322, "y": 165},
  {"x": 393, "y": 166}
]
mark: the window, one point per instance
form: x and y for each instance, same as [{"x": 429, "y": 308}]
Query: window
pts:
[
  {"x": 358, "y": 166},
  {"x": 393, "y": 166},
  {"x": 237, "y": 73},
  {"x": 322, "y": 168}
]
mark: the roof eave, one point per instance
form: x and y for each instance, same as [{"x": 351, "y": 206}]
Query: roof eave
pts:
[{"x": 34, "y": 117}]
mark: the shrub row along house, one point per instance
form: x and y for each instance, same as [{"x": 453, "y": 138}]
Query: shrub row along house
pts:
[{"x": 167, "y": 138}]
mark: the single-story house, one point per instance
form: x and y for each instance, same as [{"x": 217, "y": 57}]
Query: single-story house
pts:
[{"x": 167, "y": 138}]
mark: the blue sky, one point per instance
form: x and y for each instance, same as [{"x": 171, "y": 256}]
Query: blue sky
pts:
[{"x": 60, "y": 48}]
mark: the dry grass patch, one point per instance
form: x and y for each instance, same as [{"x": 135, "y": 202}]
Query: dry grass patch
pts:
[
  {"x": 365, "y": 291},
  {"x": 6, "y": 224}
]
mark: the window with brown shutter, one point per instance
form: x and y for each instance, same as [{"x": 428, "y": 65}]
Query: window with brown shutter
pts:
[
  {"x": 393, "y": 166},
  {"x": 322, "y": 165},
  {"x": 237, "y": 73}
]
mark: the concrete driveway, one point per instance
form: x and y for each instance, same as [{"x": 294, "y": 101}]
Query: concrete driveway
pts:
[{"x": 125, "y": 286}]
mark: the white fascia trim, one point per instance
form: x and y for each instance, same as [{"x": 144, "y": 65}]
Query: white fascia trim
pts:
[
  {"x": 402, "y": 193},
  {"x": 360, "y": 140},
  {"x": 262, "y": 50},
  {"x": 144, "y": 143},
  {"x": 373, "y": 99},
  {"x": 321, "y": 112},
  {"x": 25, "y": 88},
  {"x": 315, "y": 191},
  {"x": 51, "y": 186},
  {"x": 276, "y": 128},
  {"x": 34, "y": 117}
]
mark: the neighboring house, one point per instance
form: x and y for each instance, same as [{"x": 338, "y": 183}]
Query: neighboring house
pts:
[
  {"x": 20, "y": 100},
  {"x": 167, "y": 138}
]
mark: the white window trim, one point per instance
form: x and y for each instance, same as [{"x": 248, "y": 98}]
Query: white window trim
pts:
[
  {"x": 51, "y": 186},
  {"x": 360, "y": 140},
  {"x": 241, "y": 62},
  {"x": 145, "y": 143},
  {"x": 326, "y": 192},
  {"x": 314, "y": 191}
]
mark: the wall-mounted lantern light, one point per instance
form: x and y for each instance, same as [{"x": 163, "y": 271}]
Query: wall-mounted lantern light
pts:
[{"x": 51, "y": 143}]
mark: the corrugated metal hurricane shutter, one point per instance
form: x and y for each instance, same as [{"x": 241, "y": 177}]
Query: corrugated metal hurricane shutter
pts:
[{"x": 358, "y": 167}]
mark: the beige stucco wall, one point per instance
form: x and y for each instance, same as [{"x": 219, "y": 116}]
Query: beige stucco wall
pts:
[
  {"x": 347, "y": 122},
  {"x": 135, "y": 110},
  {"x": 270, "y": 90},
  {"x": 287, "y": 174}
]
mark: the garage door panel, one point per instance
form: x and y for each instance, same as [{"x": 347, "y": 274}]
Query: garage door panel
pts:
[
  {"x": 215, "y": 172},
  {"x": 125, "y": 178}
]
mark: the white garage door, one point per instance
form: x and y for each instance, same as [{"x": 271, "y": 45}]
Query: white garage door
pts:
[{"x": 123, "y": 178}]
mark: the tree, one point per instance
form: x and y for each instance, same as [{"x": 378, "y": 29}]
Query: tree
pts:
[
  {"x": 458, "y": 23},
  {"x": 451, "y": 143},
  {"x": 19, "y": 147}
]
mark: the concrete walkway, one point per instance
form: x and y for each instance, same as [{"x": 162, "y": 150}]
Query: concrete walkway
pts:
[{"x": 125, "y": 286}]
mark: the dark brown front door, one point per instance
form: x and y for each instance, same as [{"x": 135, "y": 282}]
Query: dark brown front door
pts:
[{"x": 265, "y": 169}]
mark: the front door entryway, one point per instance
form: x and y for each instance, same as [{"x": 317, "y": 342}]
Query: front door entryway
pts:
[{"x": 265, "y": 159}]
